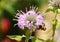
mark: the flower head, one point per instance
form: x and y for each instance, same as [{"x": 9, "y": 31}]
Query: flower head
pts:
[
  {"x": 54, "y": 3},
  {"x": 29, "y": 19}
]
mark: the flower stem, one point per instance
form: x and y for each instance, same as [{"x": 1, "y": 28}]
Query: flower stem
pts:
[
  {"x": 54, "y": 27},
  {"x": 53, "y": 36},
  {"x": 26, "y": 40}
]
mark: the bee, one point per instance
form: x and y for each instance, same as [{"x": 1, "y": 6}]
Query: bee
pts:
[{"x": 42, "y": 27}]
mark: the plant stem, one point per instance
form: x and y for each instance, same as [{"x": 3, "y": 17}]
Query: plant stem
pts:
[
  {"x": 26, "y": 40},
  {"x": 53, "y": 37},
  {"x": 54, "y": 28}
]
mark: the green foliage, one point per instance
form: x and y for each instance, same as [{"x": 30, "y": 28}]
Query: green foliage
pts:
[
  {"x": 11, "y": 6},
  {"x": 15, "y": 37},
  {"x": 39, "y": 40},
  {"x": 54, "y": 24},
  {"x": 7, "y": 5},
  {"x": 27, "y": 33},
  {"x": 49, "y": 9},
  {"x": 54, "y": 10},
  {"x": 55, "y": 21},
  {"x": 10, "y": 9},
  {"x": 49, "y": 40},
  {"x": 2, "y": 36},
  {"x": 33, "y": 38}
]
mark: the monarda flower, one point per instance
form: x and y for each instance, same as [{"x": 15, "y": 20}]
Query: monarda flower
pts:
[
  {"x": 54, "y": 3},
  {"x": 30, "y": 19}
]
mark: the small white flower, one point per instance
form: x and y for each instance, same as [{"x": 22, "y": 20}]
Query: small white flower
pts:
[{"x": 54, "y": 3}]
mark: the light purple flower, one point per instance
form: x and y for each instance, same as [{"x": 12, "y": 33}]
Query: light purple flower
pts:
[{"x": 29, "y": 19}]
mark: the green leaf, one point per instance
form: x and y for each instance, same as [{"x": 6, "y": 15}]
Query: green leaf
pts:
[
  {"x": 39, "y": 40},
  {"x": 54, "y": 10},
  {"x": 49, "y": 9},
  {"x": 49, "y": 40},
  {"x": 15, "y": 37},
  {"x": 33, "y": 38}
]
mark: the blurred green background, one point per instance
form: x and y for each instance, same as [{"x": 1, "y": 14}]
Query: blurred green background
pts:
[{"x": 8, "y": 9}]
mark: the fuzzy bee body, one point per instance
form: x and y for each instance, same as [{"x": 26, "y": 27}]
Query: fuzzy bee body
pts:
[{"x": 42, "y": 27}]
